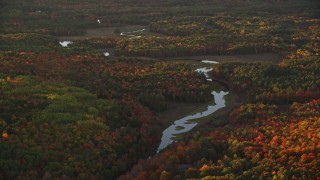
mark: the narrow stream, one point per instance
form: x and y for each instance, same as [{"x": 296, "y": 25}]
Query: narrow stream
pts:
[
  {"x": 184, "y": 124},
  {"x": 132, "y": 33}
]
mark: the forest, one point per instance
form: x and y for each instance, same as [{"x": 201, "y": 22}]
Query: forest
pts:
[{"x": 97, "y": 108}]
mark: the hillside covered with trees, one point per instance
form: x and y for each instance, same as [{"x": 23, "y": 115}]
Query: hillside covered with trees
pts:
[{"x": 74, "y": 113}]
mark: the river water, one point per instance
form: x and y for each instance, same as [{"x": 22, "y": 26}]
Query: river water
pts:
[{"x": 185, "y": 124}]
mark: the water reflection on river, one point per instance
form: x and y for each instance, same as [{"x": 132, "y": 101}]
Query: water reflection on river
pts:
[{"x": 184, "y": 125}]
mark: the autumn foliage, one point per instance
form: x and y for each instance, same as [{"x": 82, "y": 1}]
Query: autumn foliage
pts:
[{"x": 72, "y": 113}]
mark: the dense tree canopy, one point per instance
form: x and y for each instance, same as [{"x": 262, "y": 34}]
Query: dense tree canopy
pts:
[{"x": 71, "y": 112}]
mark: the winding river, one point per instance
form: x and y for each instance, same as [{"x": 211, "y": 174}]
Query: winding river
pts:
[{"x": 185, "y": 124}]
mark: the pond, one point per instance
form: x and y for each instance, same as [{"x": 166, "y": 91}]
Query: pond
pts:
[{"x": 65, "y": 43}]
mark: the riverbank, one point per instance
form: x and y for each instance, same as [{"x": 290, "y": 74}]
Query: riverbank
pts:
[
  {"x": 261, "y": 57},
  {"x": 185, "y": 124},
  {"x": 176, "y": 110}
]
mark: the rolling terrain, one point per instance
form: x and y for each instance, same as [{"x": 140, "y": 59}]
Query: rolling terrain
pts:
[{"x": 88, "y": 87}]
